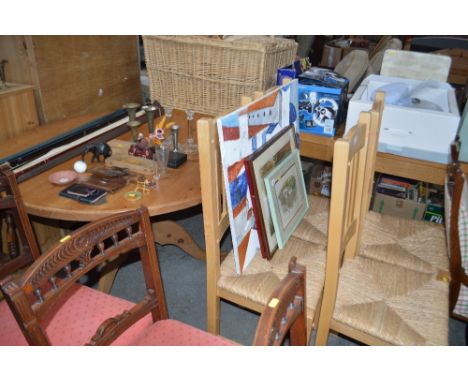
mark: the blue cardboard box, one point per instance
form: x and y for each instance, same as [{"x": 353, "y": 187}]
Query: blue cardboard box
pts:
[
  {"x": 322, "y": 101},
  {"x": 292, "y": 71}
]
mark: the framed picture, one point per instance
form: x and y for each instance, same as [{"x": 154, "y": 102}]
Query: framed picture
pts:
[
  {"x": 287, "y": 196},
  {"x": 258, "y": 165}
]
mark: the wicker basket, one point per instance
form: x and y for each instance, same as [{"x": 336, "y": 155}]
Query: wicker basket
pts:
[{"x": 209, "y": 75}]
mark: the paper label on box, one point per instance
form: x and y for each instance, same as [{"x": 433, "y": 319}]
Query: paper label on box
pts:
[{"x": 328, "y": 126}]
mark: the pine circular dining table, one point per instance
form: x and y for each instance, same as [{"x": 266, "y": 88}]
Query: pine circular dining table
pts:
[{"x": 179, "y": 190}]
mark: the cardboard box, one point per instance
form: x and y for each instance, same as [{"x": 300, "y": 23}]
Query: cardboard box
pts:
[
  {"x": 319, "y": 180},
  {"x": 293, "y": 71},
  {"x": 322, "y": 96},
  {"x": 423, "y": 129},
  {"x": 288, "y": 72},
  {"x": 404, "y": 208},
  {"x": 434, "y": 213}
]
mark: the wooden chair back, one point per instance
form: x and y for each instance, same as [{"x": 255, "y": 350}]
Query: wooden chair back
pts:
[
  {"x": 371, "y": 158},
  {"x": 346, "y": 207},
  {"x": 56, "y": 271},
  {"x": 215, "y": 216},
  {"x": 285, "y": 312},
  {"x": 456, "y": 186},
  {"x": 372, "y": 146},
  {"x": 22, "y": 247}
]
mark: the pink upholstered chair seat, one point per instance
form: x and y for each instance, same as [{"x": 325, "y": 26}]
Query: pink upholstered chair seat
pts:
[
  {"x": 75, "y": 321},
  {"x": 176, "y": 333}
]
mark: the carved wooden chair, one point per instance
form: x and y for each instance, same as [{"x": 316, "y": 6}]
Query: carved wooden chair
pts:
[
  {"x": 21, "y": 247},
  {"x": 372, "y": 301},
  {"x": 48, "y": 305},
  {"x": 456, "y": 221}
]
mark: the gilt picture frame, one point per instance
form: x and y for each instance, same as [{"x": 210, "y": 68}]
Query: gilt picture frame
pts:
[
  {"x": 287, "y": 196},
  {"x": 258, "y": 165}
]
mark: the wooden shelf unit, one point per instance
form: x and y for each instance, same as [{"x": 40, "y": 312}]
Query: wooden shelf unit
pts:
[{"x": 18, "y": 113}]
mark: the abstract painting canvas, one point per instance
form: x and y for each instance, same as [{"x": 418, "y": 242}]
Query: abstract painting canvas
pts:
[{"x": 242, "y": 133}]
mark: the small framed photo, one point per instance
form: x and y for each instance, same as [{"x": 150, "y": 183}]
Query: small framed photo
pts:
[
  {"x": 258, "y": 165},
  {"x": 287, "y": 196}
]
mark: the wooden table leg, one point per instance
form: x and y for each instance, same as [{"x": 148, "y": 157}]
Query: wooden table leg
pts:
[{"x": 169, "y": 232}]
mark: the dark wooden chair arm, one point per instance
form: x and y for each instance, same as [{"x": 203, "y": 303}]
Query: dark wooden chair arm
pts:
[
  {"x": 464, "y": 278},
  {"x": 285, "y": 311},
  {"x": 113, "y": 327}
]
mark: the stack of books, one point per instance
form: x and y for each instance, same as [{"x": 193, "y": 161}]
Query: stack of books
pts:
[{"x": 397, "y": 187}]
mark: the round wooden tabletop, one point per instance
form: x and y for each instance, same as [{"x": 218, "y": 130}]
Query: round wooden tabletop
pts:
[{"x": 178, "y": 190}]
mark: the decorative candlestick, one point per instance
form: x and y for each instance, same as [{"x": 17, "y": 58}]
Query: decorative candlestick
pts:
[
  {"x": 190, "y": 146},
  {"x": 150, "y": 112},
  {"x": 175, "y": 138},
  {"x": 133, "y": 125},
  {"x": 131, "y": 110},
  {"x": 168, "y": 113}
]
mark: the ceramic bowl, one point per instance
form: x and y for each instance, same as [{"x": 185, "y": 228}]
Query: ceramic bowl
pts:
[{"x": 61, "y": 178}]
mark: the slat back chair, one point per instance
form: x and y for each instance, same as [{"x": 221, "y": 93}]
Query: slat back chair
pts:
[
  {"x": 349, "y": 166},
  {"x": 371, "y": 158},
  {"x": 13, "y": 213},
  {"x": 314, "y": 227},
  {"x": 369, "y": 300},
  {"x": 215, "y": 216},
  {"x": 57, "y": 271},
  {"x": 456, "y": 213},
  {"x": 251, "y": 289},
  {"x": 418, "y": 245}
]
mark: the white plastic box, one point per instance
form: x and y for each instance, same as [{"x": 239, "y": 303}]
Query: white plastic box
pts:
[{"x": 415, "y": 131}]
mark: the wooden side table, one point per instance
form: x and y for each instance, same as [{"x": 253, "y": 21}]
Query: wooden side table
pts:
[{"x": 18, "y": 112}]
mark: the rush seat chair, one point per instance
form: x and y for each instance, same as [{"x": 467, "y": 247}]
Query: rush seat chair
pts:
[
  {"x": 48, "y": 305},
  {"x": 417, "y": 245},
  {"x": 372, "y": 301},
  {"x": 252, "y": 289}
]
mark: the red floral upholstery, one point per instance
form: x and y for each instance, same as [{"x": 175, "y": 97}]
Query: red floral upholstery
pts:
[
  {"x": 176, "y": 333},
  {"x": 76, "y": 320}
]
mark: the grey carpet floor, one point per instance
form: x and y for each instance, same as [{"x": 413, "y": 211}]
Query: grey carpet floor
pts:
[{"x": 184, "y": 280}]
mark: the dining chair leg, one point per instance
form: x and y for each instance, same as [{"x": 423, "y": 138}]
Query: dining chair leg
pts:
[
  {"x": 326, "y": 313},
  {"x": 309, "y": 328},
  {"x": 213, "y": 312}
]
